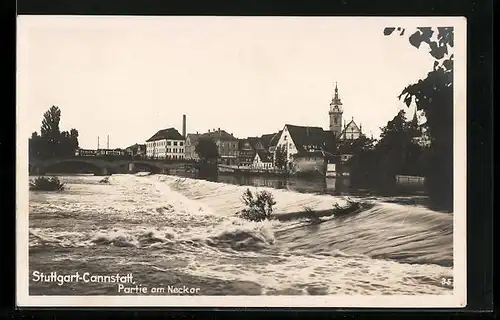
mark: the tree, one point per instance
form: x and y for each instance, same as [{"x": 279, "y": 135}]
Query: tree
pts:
[
  {"x": 280, "y": 157},
  {"x": 356, "y": 146},
  {"x": 73, "y": 133},
  {"x": 35, "y": 146},
  {"x": 395, "y": 153},
  {"x": 50, "y": 128},
  {"x": 259, "y": 207},
  {"x": 207, "y": 150},
  {"x": 434, "y": 96},
  {"x": 52, "y": 142}
]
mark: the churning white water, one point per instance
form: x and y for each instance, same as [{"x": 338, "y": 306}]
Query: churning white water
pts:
[{"x": 175, "y": 231}]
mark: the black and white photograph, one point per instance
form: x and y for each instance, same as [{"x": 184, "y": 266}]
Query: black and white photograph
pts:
[{"x": 241, "y": 161}]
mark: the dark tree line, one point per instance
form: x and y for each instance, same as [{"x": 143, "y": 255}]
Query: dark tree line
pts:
[
  {"x": 397, "y": 151},
  {"x": 376, "y": 163},
  {"x": 207, "y": 150},
  {"x": 52, "y": 143},
  {"x": 433, "y": 95}
]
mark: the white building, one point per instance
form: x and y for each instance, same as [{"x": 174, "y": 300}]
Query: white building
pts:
[
  {"x": 166, "y": 144},
  {"x": 262, "y": 160},
  {"x": 295, "y": 139}
]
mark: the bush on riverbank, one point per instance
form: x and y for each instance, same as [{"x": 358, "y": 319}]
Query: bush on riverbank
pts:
[
  {"x": 46, "y": 184},
  {"x": 259, "y": 206}
]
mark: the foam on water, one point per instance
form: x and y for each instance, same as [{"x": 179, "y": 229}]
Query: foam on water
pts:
[{"x": 386, "y": 248}]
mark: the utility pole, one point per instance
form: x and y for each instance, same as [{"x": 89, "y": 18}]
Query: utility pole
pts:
[
  {"x": 108, "y": 142},
  {"x": 97, "y": 142}
]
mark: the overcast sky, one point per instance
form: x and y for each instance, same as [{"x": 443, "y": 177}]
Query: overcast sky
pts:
[{"x": 131, "y": 76}]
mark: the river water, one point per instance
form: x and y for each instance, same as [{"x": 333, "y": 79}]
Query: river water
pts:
[{"x": 177, "y": 231}]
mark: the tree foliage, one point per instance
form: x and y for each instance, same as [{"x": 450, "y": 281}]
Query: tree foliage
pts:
[
  {"x": 52, "y": 142},
  {"x": 46, "y": 184},
  {"x": 207, "y": 150},
  {"x": 259, "y": 207},
  {"x": 433, "y": 95},
  {"x": 396, "y": 152},
  {"x": 356, "y": 146},
  {"x": 280, "y": 157}
]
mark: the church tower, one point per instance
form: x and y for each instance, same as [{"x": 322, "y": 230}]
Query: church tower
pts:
[{"x": 335, "y": 113}]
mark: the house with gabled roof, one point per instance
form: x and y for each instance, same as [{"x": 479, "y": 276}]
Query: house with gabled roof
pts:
[
  {"x": 351, "y": 131},
  {"x": 305, "y": 144},
  {"x": 166, "y": 144},
  {"x": 227, "y": 144},
  {"x": 262, "y": 160}
]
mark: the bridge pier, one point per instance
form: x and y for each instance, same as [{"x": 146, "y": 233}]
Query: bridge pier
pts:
[
  {"x": 39, "y": 171},
  {"x": 102, "y": 172},
  {"x": 131, "y": 168}
]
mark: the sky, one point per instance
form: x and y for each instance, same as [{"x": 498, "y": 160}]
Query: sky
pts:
[{"x": 128, "y": 77}]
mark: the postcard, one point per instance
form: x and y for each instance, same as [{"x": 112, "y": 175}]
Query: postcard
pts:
[{"x": 224, "y": 161}]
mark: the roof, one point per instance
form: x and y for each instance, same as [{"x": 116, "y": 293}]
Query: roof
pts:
[
  {"x": 313, "y": 137},
  {"x": 348, "y": 125},
  {"x": 275, "y": 138},
  {"x": 193, "y": 137},
  {"x": 169, "y": 133},
  {"x": 313, "y": 154},
  {"x": 264, "y": 156},
  {"x": 266, "y": 139},
  {"x": 136, "y": 145},
  {"x": 219, "y": 135},
  {"x": 255, "y": 141}
]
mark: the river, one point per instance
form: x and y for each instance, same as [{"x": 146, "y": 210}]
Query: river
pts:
[{"x": 180, "y": 231}]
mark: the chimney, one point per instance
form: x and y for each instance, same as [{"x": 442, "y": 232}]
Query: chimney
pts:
[
  {"x": 184, "y": 126},
  {"x": 218, "y": 129},
  {"x": 208, "y": 130}
]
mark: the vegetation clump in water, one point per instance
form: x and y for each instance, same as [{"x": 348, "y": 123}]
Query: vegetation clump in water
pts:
[
  {"x": 352, "y": 206},
  {"x": 46, "y": 184},
  {"x": 104, "y": 180},
  {"x": 259, "y": 206}
]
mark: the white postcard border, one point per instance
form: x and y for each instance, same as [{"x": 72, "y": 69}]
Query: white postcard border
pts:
[{"x": 456, "y": 300}]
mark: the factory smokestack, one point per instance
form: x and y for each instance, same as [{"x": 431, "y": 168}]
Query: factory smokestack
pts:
[{"x": 184, "y": 125}]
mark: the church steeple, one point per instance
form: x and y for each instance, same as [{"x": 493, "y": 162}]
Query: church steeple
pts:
[
  {"x": 336, "y": 100},
  {"x": 335, "y": 113}
]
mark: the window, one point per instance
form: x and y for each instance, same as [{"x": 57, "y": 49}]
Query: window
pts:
[
  {"x": 335, "y": 120},
  {"x": 175, "y": 143},
  {"x": 181, "y": 143},
  {"x": 169, "y": 143}
]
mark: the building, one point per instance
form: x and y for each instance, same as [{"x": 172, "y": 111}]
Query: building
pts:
[
  {"x": 262, "y": 160},
  {"x": 349, "y": 131},
  {"x": 313, "y": 162},
  {"x": 248, "y": 148},
  {"x": 166, "y": 144},
  {"x": 190, "y": 147},
  {"x": 300, "y": 139},
  {"x": 134, "y": 150},
  {"x": 226, "y": 143},
  {"x": 246, "y": 152}
]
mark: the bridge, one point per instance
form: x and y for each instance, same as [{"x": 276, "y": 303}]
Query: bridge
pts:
[{"x": 103, "y": 166}]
